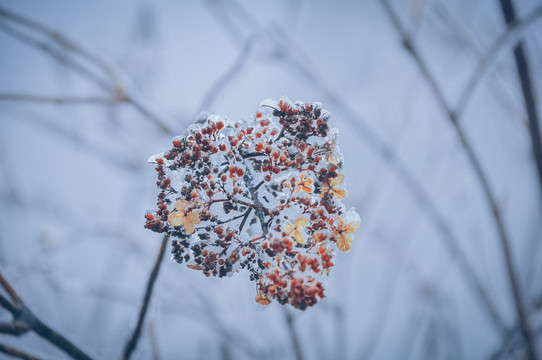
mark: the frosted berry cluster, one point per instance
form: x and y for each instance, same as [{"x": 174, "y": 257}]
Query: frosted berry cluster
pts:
[{"x": 263, "y": 195}]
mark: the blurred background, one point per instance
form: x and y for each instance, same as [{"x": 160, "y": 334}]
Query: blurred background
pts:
[{"x": 438, "y": 130}]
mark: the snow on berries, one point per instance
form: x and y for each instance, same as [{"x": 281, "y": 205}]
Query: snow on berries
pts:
[{"x": 263, "y": 195}]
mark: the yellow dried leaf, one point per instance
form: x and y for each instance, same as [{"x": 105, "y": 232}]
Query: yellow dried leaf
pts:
[
  {"x": 299, "y": 237},
  {"x": 181, "y": 205},
  {"x": 300, "y": 223},
  {"x": 344, "y": 242},
  {"x": 351, "y": 227},
  {"x": 288, "y": 228},
  {"x": 337, "y": 180},
  {"x": 339, "y": 193},
  {"x": 175, "y": 219}
]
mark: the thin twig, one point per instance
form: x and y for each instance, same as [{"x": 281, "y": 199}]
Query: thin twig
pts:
[
  {"x": 8, "y": 350},
  {"x": 55, "y": 54},
  {"x": 458, "y": 29},
  {"x": 258, "y": 206},
  {"x": 206, "y": 311},
  {"x": 6, "y": 304},
  {"x": 132, "y": 342},
  {"x": 119, "y": 89},
  {"x": 21, "y": 313},
  {"x": 480, "y": 175},
  {"x": 225, "y": 79},
  {"x": 522, "y": 65},
  {"x": 483, "y": 66},
  {"x": 245, "y": 217},
  {"x": 59, "y": 99},
  {"x": 10, "y": 290},
  {"x": 509, "y": 340},
  {"x": 83, "y": 143}
]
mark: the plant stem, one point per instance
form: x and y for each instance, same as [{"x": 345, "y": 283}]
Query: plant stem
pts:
[{"x": 132, "y": 342}]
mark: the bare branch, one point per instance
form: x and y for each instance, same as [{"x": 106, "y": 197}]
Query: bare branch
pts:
[
  {"x": 522, "y": 66},
  {"x": 10, "y": 290},
  {"x": 16, "y": 328},
  {"x": 8, "y": 350},
  {"x": 132, "y": 342},
  {"x": 23, "y": 314},
  {"x": 6, "y": 304},
  {"x": 480, "y": 174}
]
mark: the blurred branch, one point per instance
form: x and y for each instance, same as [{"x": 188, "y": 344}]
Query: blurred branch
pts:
[
  {"x": 522, "y": 65},
  {"x": 60, "y": 100},
  {"x": 8, "y": 350},
  {"x": 480, "y": 174},
  {"x": 118, "y": 88},
  {"x": 293, "y": 334},
  {"x": 512, "y": 342},
  {"x": 22, "y": 314},
  {"x": 377, "y": 323},
  {"x": 100, "y": 152},
  {"x": 501, "y": 87},
  {"x": 375, "y": 143},
  {"x": 226, "y": 78},
  {"x": 132, "y": 343},
  {"x": 15, "y": 328},
  {"x": 54, "y": 53},
  {"x": 478, "y": 74},
  {"x": 411, "y": 331},
  {"x": 206, "y": 310}
]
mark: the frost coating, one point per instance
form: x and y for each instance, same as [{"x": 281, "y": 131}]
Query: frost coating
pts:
[{"x": 263, "y": 195}]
